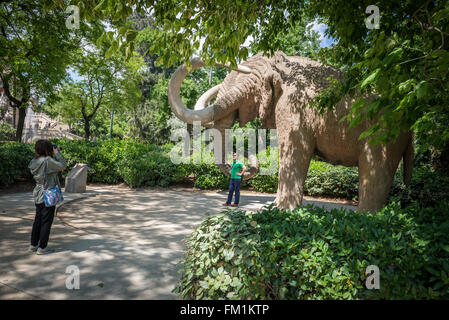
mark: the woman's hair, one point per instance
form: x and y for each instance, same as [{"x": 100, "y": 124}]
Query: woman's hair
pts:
[{"x": 43, "y": 148}]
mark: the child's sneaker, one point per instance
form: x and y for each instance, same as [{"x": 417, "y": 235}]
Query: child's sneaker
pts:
[
  {"x": 32, "y": 248},
  {"x": 40, "y": 251}
]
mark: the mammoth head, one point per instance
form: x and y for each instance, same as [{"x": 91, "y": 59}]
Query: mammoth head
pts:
[
  {"x": 256, "y": 93},
  {"x": 249, "y": 91},
  {"x": 252, "y": 89}
]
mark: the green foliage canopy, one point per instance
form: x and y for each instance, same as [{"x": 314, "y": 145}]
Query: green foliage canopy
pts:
[
  {"x": 35, "y": 49},
  {"x": 406, "y": 61},
  {"x": 105, "y": 85}
]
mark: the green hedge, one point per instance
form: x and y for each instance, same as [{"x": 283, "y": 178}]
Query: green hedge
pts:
[
  {"x": 104, "y": 159},
  {"x": 14, "y": 160},
  {"x": 141, "y": 164},
  {"x": 209, "y": 176},
  {"x": 139, "y": 168},
  {"x": 7, "y": 132},
  {"x": 113, "y": 161},
  {"x": 323, "y": 179},
  {"x": 427, "y": 187},
  {"x": 310, "y": 253}
]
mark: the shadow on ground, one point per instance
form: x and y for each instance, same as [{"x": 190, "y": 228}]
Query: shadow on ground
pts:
[{"x": 126, "y": 243}]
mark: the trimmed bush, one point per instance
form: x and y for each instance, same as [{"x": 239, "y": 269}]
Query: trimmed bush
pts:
[
  {"x": 323, "y": 179},
  {"x": 102, "y": 158},
  {"x": 310, "y": 253},
  {"x": 265, "y": 183},
  {"x": 81, "y": 151},
  {"x": 110, "y": 161},
  {"x": 427, "y": 187},
  {"x": 7, "y": 132},
  {"x": 209, "y": 176},
  {"x": 14, "y": 160},
  {"x": 148, "y": 169},
  {"x": 114, "y": 161}
]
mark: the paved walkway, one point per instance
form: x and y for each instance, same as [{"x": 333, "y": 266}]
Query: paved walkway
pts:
[{"x": 126, "y": 244}]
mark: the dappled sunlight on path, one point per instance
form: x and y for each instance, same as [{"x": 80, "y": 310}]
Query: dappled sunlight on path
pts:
[{"x": 126, "y": 243}]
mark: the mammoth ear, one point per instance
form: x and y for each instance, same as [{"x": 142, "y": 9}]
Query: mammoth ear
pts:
[{"x": 273, "y": 91}]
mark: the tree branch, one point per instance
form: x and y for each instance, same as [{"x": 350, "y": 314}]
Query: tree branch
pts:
[
  {"x": 100, "y": 98},
  {"x": 5, "y": 82},
  {"x": 83, "y": 108},
  {"x": 2, "y": 27}
]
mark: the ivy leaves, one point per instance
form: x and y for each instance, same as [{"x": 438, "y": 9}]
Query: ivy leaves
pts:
[
  {"x": 401, "y": 70},
  {"x": 311, "y": 253}
]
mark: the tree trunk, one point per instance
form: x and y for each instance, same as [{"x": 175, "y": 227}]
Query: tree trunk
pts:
[
  {"x": 112, "y": 124},
  {"x": 20, "y": 123},
  {"x": 86, "y": 129}
]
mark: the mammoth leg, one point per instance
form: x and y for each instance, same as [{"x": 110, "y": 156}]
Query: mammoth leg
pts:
[
  {"x": 295, "y": 152},
  {"x": 377, "y": 166}
]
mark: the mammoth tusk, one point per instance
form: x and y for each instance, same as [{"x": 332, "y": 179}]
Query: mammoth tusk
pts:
[
  {"x": 204, "y": 100},
  {"x": 239, "y": 68},
  {"x": 206, "y": 97},
  {"x": 174, "y": 97},
  {"x": 212, "y": 92},
  {"x": 203, "y": 115},
  {"x": 243, "y": 69}
]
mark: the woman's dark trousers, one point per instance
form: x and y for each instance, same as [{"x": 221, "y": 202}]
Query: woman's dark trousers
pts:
[
  {"x": 234, "y": 185},
  {"x": 42, "y": 225}
]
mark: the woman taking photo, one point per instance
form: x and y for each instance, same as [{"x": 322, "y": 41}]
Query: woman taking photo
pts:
[{"x": 44, "y": 168}]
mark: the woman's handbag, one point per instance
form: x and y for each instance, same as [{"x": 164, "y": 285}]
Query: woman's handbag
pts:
[{"x": 52, "y": 196}]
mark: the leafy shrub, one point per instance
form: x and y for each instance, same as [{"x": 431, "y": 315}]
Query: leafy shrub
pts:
[
  {"x": 310, "y": 253},
  {"x": 209, "y": 176},
  {"x": 136, "y": 163},
  {"x": 427, "y": 187},
  {"x": 80, "y": 151},
  {"x": 323, "y": 179},
  {"x": 7, "y": 132},
  {"x": 265, "y": 183},
  {"x": 115, "y": 160},
  {"x": 14, "y": 160},
  {"x": 148, "y": 169},
  {"x": 206, "y": 175},
  {"x": 104, "y": 159}
]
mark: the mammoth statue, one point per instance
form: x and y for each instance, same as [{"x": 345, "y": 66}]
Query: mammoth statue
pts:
[{"x": 279, "y": 90}]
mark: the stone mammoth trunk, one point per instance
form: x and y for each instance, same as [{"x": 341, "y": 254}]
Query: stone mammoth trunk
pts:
[{"x": 279, "y": 90}]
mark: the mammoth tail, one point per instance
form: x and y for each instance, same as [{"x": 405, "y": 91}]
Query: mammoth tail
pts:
[{"x": 408, "y": 162}]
